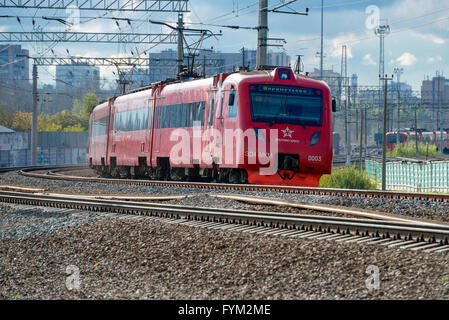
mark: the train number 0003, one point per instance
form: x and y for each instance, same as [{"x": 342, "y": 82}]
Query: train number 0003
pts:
[{"x": 314, "y": 158}]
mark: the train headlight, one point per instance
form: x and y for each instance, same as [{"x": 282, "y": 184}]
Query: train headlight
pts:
[{"x": 315, "y": 138}]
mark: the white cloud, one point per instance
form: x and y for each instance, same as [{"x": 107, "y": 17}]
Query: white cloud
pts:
[
  {"x": 434, "y": 59},
  {"x": 428, "y": 37},
  {"x": 437, "y": 40},
  {"x": 339, "y": 41},
  {"x": 368, "y": 60},
  {"x": 406, "y": 59}
]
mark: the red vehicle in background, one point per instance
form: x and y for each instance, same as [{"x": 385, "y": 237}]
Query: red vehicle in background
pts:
[
  {"x": 263, "y": 127},
  {"x": 426, "y": 137},
  {"x": 392, "y": 138}
]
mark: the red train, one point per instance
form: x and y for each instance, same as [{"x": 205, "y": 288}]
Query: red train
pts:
[{"x": 263, "y": 127}]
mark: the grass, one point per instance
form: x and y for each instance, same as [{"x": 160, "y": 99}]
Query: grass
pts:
[
  {"x": 347, "y": 178},
  {"x": 409, "y": 150}
]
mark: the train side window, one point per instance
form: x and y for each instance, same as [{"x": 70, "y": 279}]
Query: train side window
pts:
[
  {"x": 118, "y": 121},
  {"x": 232, "y": 104},
  {"x": 192, "y": 114},
  {"x": 211, "y": 112},
  {"x": 150, "y": 117},
  {"x": 179, "y": 116},
  {"x": 136, "y": 121},
  {"x": 185, "y": 107},
  {"x": 162, "y": 117},
  {"x": 219, "y": 113},
  {"x": 202, "y": 111}
]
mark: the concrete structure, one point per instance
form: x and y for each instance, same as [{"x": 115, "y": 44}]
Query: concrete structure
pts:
[{"x": 52, "y": 148}]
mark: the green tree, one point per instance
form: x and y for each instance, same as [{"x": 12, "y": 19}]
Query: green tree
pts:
[
  {"x": 82, "y": 110},
  {"x": 21, "y": 121}
]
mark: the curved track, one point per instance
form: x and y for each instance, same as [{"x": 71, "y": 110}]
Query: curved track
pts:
[{"x": 56, "y": 175}]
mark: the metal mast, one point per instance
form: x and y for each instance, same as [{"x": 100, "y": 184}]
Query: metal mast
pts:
[
  {"x": 180, "y": 57},
  {"x": 381, "y": 32}
]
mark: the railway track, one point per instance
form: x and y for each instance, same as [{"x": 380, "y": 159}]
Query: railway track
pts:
[
  {"x": 56, "y": 174},
  {"x": 404, "y": 235}
]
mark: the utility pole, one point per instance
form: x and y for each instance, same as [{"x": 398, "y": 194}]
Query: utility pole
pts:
[
  {"x": 345, "y": 88},
  {"x": 398, "y": 72},
  {"x": 416, "y": 130},
  {"x": 384, "y": 134},
  {"x": 321, "y": 51},
  {"x": 180, "y": 58},
  {"x": 440, "y": 118},
  {"x": 361, "y": 139},
  {"x": 262, "y": 30},
  {"x": 298, "y": 64},
  {"x": 34, "y": 118},
  {"x": 262, "y": 34}
]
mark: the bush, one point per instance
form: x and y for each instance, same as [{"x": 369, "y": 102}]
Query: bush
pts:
[{"x": 347, "y": 178}]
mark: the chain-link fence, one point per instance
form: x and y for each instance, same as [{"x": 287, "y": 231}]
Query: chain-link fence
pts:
[{"x": 417, "y": 176}]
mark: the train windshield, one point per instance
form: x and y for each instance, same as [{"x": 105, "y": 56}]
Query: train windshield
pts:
[
  {"x": 286, "y": 104},
  {"x": 392, "y": 138}
]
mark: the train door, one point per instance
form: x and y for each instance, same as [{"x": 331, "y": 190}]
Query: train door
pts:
[
  {"x": 148, "y": 136},
  {"x": 157, "y": 129},
  {"x": 110, "y": 147},
  {"x": 208, "y": 128},
  {"x": 218, "y": 132}
]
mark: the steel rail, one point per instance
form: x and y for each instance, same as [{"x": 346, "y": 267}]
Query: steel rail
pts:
[
  {"x": 249, "y": 187},
  {"x": 326, "y": 224}
]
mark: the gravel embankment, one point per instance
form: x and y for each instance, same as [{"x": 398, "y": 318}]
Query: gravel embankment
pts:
[
  {"x": 142, "y": 259},
  {"x": 19, "y": 222},
  {"x": 427, "y": 210}
]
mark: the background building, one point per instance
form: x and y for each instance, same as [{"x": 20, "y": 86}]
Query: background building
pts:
[
  {"x": 14, "y": 77},
  {"x": 77, "y": 76},
  {"x": 12, "y": 65},
  {"x": 435, "y": 99}
]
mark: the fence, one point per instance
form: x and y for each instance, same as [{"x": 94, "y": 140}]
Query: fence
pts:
[
  {"x": 53, "y": 148},
  {"x": 418, "y": 176}
]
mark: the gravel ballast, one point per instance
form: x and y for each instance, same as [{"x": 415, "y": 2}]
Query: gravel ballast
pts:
[{"x": 143, "y": 259}]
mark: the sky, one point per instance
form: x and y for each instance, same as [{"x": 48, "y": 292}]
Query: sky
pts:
[{"x": 418, "y": 39}]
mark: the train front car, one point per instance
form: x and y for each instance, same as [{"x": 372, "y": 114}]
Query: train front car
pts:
[{"x": 291, "y": 118}]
